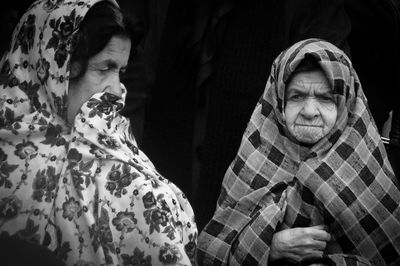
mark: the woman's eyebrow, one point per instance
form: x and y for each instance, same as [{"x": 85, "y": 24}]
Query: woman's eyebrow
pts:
[
  {"x": 296, "y": 90},
  {"x": 323, "y": 93},
  {"x": 300, "y": 90},
  {"x": 110, "y": 63}
]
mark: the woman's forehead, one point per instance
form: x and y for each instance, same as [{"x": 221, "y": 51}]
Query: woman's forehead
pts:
[{"x": 305, "y": 80}]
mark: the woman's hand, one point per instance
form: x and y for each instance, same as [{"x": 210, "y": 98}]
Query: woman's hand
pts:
[{"x": 299, "y": 243}]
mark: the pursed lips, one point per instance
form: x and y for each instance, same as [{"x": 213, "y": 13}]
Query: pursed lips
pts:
[{"x": 305, "y": 125}]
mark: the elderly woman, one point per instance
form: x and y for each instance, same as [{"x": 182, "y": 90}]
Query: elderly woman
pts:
[
  {"x": 311, "y": 182},
  {"x": 72, "y": 178}
]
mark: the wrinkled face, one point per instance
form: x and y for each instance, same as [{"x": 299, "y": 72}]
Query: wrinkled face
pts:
[
  {"x": 310, "y": 109},
  {"x": 102, "y": 75}
]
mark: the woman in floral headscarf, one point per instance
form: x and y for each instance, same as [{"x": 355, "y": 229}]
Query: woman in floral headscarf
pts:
[
  {"x": 72, "y": 178},
  {"x": 311, "y": 182}
]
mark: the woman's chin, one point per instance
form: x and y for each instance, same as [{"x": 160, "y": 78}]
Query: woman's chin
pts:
[{"x": 308, "y": 139}]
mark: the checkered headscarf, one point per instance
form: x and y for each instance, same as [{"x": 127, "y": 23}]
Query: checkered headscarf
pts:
[{"x": 344, "y": 181}]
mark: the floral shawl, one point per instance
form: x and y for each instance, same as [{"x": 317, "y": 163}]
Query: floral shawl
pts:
[
  {"x": 87, "y": 192},
  {"x": 344, "y": 181}
]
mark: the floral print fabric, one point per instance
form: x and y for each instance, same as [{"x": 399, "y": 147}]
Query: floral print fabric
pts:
[
  {"x": 87, "y": 192},
  {"x": 33, "y": 132},
  {"x": 116, "y": 206}
]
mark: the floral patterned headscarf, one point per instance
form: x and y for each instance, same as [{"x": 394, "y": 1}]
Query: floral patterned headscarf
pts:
[
  {"x": 87, "y": 192},
  {"x": 33, "y": 103}
]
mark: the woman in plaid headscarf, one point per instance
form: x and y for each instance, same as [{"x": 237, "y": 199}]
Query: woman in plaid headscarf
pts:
[
  {"x": 72, "y": 178},
  {"x": 320, "y": 193}
]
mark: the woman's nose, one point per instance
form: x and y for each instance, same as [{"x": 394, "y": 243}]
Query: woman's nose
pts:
[
  {"x": 310, "y": 108},
  {"x": 114, "y": 86}
]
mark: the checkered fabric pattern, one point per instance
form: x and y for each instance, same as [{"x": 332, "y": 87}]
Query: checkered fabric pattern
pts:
[{"x": 344, "y": 181}]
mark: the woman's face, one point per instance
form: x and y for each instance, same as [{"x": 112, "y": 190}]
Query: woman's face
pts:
[
  {"x": 102, "y": 75},
  {"x": 310, "y": 108}
]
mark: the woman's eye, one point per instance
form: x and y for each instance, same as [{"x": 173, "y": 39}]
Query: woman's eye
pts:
[
  {"x": 327, "y": 98},
  {"x": 103, "y": 70},
  {"x": 295, "y": 97}
]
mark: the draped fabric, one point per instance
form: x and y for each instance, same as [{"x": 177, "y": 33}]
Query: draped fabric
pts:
[
  {"x": 84, "y": 191},
  {"x": 33, "y": 130},
  {"x": 344, "y": 181},
  {"x": 239, "y": 59},
  {"x": 112, "y": 205}
]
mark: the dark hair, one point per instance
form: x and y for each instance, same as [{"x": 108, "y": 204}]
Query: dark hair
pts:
[
  {"x": 309, "y": 63},
  {"x": 103, "y": 21}
]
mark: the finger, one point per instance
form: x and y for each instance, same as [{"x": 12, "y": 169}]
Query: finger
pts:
[
  {"x": 320, "y": 234},
  {"x": 319, "y": 245},
  {"x": 313, "y": 254},
  {"x": 312, "y": 244},
  {"x": 320, "y": 226}
]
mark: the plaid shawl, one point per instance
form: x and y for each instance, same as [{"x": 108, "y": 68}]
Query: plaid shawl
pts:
[{"x": 344, "y": 181}]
